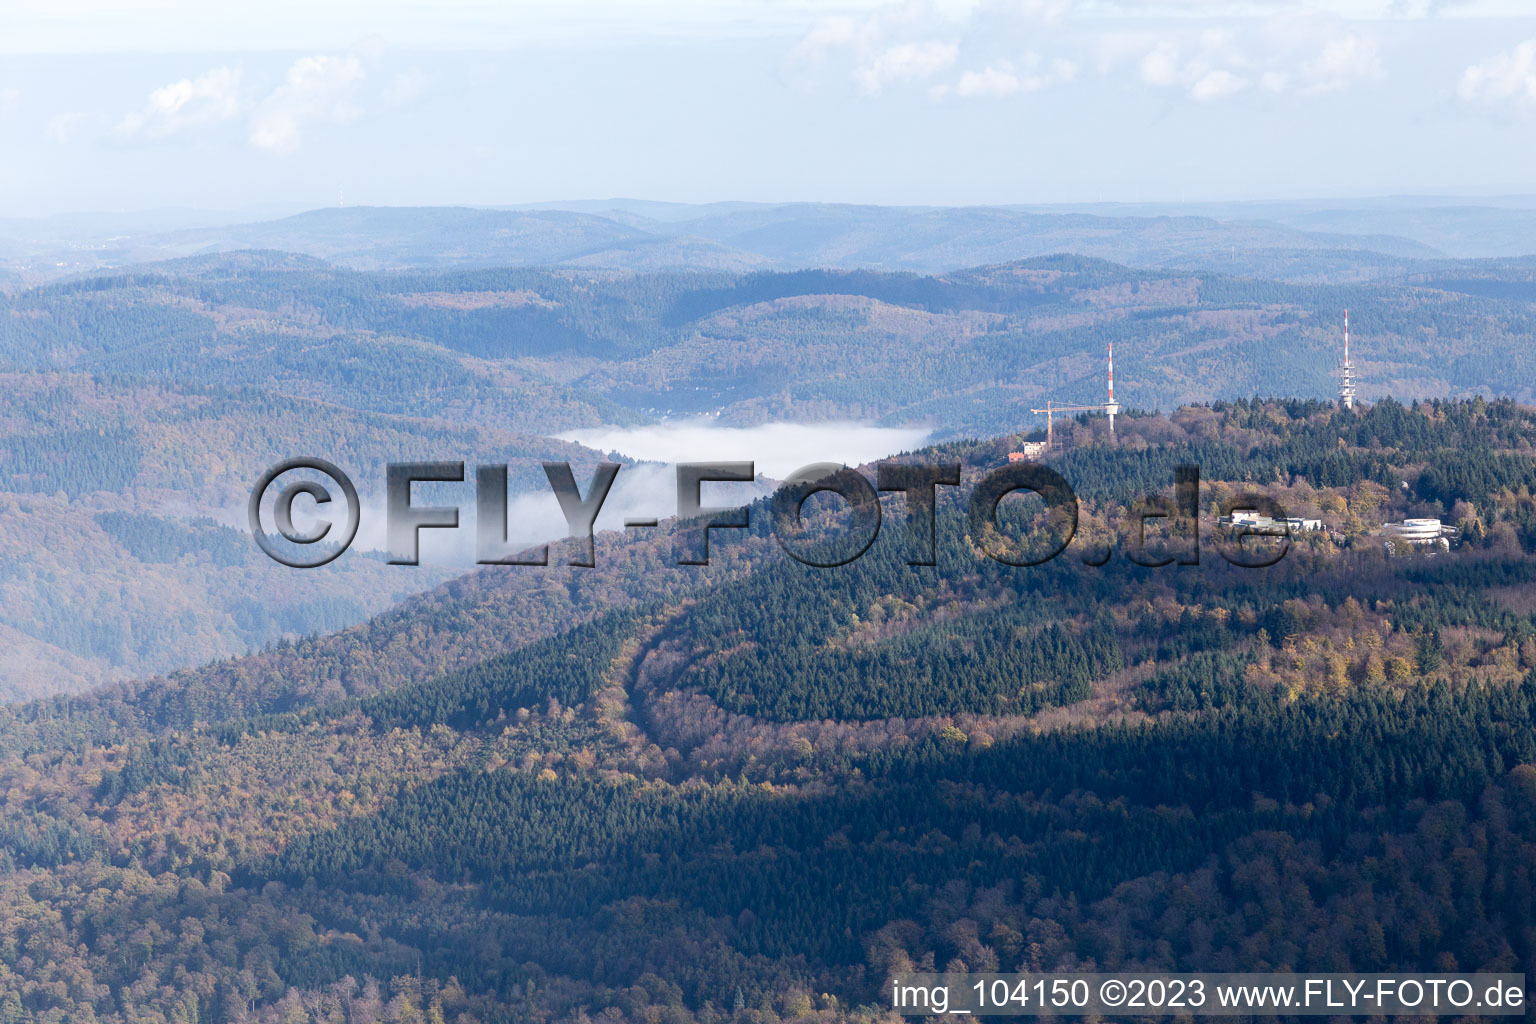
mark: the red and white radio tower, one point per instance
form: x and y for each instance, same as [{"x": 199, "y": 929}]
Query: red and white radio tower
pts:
[
  {"x": 1111, "y": 407},
  {"x": 1051, "y": 409}
]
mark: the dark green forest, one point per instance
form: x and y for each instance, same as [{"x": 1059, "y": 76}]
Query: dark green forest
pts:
[{"x": 753, "y": 791}]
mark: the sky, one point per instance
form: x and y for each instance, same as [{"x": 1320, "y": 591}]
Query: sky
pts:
[{"x": 112, "y": 106}]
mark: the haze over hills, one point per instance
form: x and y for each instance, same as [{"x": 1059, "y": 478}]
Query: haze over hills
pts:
[
  {"x": 736, "y": 236},
  {"x": 1462, "y": 227},
  {"x": 930, "y": 240}
]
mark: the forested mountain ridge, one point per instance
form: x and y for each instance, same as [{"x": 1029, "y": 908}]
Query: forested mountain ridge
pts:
[
  {"x": 752, "y": 792},
  {"x": 160, "y": 393},
  {"x": 163, "y": 391},
  {"x": 968, "y": 351}
]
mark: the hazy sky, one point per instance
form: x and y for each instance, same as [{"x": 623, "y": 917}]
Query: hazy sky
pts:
[{"x": 124, "y": 106}]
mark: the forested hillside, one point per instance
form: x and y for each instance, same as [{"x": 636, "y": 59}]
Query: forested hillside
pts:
[
  {"x": 126, "y": 550},
  {"x": 164, "y": 391},
  {"x": 969, "y": 351},
  {"x": 752, "y": 791}
]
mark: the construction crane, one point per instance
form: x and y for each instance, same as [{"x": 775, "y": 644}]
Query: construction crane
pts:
[
  {"x": 1109, "y": 408},
  {"x": 1051, "y": 408}
]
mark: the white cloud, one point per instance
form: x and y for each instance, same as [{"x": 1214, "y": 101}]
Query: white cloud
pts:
[
  {"x": 1217, "y": 85},
  {"x": 866, "y": 36},
  {"x": 183, "y": 26},
  {"x": 1505, "y": 79},
  {"x": 1344, "y": 60},
  {"x": 1161, "y": 65},
  {"x": 914, "y": 41},
  {"x": 1302, "y": 53},
  {"x": 831, "y": 34},
  {"x": 1207, "y": 66},
  {"x": 1275, "y": 46},
  {"x": 407, "y": 86},
  {"x": 209, "y": 98},
  {"x": 10, "y": 102},
  {"x": 1003, "y": 79},
  {"x": 62, "y": 128},
  {"x": 991, "y": 80},
  {"x": 906, "y": 62},
  {"x": 1048, "y": 11},
  {"x": 908, "y": 42},
  {"x": 1318, "y": 53},
  {"x": 316, "y": 88},
  {"x": 776, "y": 449},
  {"x": 1431, "y": 8}
]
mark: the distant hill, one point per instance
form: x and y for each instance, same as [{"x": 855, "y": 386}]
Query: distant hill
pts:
[
  {"x": 372, "y": 237},
  {"x": 944, "y": 239},
  {"x": 730, "y": 237},
  {"x": 369, "y": 238},
  {"x": 1463, "y": 228},
  {"x": 1317, "y": 240}
]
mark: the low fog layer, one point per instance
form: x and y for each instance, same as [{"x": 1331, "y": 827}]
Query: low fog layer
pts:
[
  {"x": 640, "y": 491},
  {"x": 778, "y": 449}
]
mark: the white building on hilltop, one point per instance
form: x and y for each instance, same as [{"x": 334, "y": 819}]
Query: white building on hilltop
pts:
[
  {"x": 1255, "y": 523},
  {"x": 1422, "y": 533}
]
